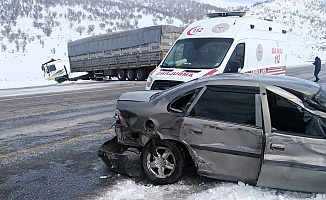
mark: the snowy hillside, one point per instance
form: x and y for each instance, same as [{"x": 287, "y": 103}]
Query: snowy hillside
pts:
[
  {"x": 223, "y": 3},
  {"x": 306, "y": 22},
  {"x": 33, "y": 30}
]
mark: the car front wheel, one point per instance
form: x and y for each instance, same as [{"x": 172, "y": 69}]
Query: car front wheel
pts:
[{"x": 163, "y": 162}]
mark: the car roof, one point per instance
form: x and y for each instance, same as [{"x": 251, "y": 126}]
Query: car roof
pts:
[{"x": 300, "y": 85}]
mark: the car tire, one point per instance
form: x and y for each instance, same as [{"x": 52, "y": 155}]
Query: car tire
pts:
[
  {"x": 121, "y": 75},
  {"x": 131, "y": 75},
  {"x": 166, "y": 166},
  {"x": 140, "y": 75}
]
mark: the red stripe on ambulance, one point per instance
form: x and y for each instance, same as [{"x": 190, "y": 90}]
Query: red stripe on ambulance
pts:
[
  {"x": 270, "y": 70},
  {"x": 152, "y": 72},
  {"x": 210, "y": 72}
]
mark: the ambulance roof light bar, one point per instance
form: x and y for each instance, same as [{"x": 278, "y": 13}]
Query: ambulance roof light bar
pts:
[{"x": 226, "y": 14}]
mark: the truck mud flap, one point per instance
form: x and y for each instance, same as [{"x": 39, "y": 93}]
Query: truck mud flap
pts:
[{"x": 112, "y": 154}]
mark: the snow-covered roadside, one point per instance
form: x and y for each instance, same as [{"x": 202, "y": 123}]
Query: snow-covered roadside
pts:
[
  {"x": 24, "y": 83},
  {"x": 127, "y": 189},
  {"x": 67, "y": 86},
  {"x": 34, "y": 77}
]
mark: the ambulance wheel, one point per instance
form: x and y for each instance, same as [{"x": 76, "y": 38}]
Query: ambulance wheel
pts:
[
  {"x": 140, "y": 75},
  {"x": 163, "y": 162},
  {"x": 131, "y": 74},
  {"x": 121, "y": 75}
]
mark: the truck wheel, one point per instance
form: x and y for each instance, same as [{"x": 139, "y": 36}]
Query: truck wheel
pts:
[
  {"x": 162, "y": 162},
  {"x": 121, "y": 75},
  {"x": 130, "y": 74},
  {"x": 140, "y": 75},
  {"x": 61, "y": 79}
]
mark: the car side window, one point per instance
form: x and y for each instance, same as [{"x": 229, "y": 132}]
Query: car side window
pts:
[
  {"x": 230, "y": 105},
  {"x": 182, "y": 102},
  {"x": 289, "y": 117},
  {"x": 285, "y": 115}
]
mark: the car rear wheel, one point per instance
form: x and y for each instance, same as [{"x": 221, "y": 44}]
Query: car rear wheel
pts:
[{"x": 162, "y": 162}]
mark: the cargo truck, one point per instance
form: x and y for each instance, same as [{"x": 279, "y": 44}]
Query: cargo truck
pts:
[{"x": 130, "y": 55}]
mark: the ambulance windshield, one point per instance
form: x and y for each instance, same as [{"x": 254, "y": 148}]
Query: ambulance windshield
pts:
[{"x": 198, "y": 53}]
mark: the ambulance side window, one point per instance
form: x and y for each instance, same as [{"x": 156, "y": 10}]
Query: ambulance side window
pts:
[{"x": 236, "y": 60}]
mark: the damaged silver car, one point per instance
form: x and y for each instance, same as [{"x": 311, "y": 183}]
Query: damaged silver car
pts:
[{"x": 268, "y": 131}]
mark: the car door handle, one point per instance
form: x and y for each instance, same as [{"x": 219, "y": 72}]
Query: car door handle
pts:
[
  {"x": 277, "y": 147},
  {"x": 195, "y": 131}
]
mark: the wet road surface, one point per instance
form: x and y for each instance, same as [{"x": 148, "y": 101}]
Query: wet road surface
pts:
[{"x": 49, "y": 142}]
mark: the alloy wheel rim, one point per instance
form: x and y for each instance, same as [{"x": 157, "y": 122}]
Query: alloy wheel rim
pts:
[{"x": 162, "y": 165}]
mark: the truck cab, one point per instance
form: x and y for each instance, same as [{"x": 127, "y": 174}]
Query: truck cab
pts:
[
  {"x": 230, "y": 42},
  {"x": 55, "y": 70}
]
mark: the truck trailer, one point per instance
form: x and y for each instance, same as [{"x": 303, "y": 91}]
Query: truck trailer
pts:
[{"x": 130, "y": 55}]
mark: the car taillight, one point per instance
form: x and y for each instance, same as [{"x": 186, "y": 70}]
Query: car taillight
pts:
[{"x": 120, "y": 117}]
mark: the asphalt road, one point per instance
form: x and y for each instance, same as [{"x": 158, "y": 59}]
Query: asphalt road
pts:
[
  {"x": 49, "y": 141},
  {"x": 307, "y": 72}
]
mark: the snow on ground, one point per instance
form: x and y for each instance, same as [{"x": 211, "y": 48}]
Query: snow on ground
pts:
[
  {"x": 127, "y": 189},
  {"x": 23, "y": 69},
  {"x": 33, "y": 76},
  {"x": 30, "y": 74}
]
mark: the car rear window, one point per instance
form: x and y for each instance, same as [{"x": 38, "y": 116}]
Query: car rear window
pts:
[{"x": 182, "y": 102}]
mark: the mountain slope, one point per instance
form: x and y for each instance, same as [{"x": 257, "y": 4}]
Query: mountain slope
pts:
[
  {"x": 306, "y": 22},
  {"x": 32, "y": 30}
]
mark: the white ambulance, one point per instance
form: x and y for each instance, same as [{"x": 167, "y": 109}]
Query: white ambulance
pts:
[{"x": 222, "y": 43}]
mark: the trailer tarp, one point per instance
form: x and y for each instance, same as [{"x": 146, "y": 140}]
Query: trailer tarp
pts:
[{"x": 122, "y": 39}]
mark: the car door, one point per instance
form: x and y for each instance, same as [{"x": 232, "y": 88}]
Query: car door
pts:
[
  {"x": 295, "y": 150},
  {"x": 223, "y": 129}
]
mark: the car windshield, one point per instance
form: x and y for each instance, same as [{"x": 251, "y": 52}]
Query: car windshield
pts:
[
  {"x": 315, "y": 102},
  {"x": 198, "y": 53},
  {"x": 51, "y": 68}
]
